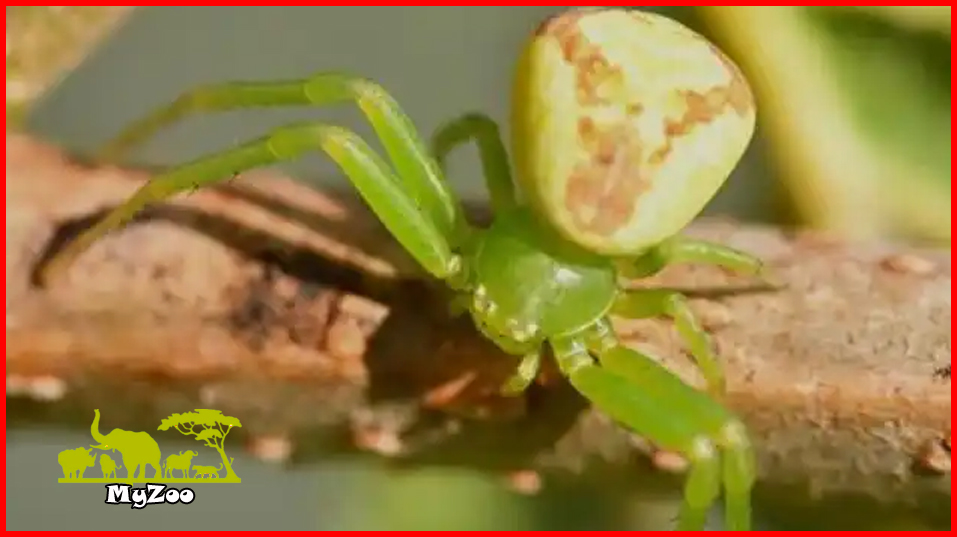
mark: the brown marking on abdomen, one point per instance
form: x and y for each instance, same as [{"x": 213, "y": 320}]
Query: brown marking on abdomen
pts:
[
  {"x": 601, "y": 194},
  {"x": 593, "y": 71},
  {"x": 703, "y": 108},
  {"x": 738, "y": 92},
  {"x": 557, "y": 23}
]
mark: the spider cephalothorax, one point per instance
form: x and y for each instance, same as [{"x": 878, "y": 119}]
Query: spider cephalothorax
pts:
[
  {"x": 573, "y": 289},
  {"x": 624, "y": 125}
]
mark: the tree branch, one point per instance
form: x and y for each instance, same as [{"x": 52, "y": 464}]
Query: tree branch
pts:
[
  {"x": 186, "y": 433},
  {"x": 318, "y": 329}
]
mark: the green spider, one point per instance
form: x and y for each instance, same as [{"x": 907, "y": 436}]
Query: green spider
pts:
[{"x": 625, "y": 124}]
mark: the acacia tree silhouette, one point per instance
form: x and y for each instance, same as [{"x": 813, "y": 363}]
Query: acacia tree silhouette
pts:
[{"x": 208, "y": 426}]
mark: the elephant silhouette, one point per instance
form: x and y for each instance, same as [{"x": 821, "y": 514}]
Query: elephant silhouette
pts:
[
  {"x": 108, "y": 466},
  {"x": 138, "y": 449},
  {"x": 182, "y": 462},
  {"x": 75, "y": 461}
]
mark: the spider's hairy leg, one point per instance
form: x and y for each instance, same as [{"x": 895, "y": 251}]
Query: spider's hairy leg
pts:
[
  {"x": 368, "y": 172},
  {"x": 637, "y": 391},
  {"x": 647, "y": 303},
  {"x": 414, "y": 165},
  {"x": 688, "y": 250},
  {"x": 492, "y": 154}
]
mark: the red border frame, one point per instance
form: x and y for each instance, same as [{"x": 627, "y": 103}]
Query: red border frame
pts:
[{"x": 3, "y": 402}]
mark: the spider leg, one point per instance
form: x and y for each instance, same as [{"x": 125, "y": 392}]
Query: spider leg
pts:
[
  {"x": 524, "y": 375},
  {"x": 492, "y": 154},
  {"x": 688, "y": 250},
  {"x": 367, "y": 171},
  {"x": 415, "y": 167},
  {"x": 647, "y": 303},
  {"x": 637, "y": 391}
]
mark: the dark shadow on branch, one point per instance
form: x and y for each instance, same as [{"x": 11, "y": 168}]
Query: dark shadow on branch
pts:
[{"x": 300, "y": 263}]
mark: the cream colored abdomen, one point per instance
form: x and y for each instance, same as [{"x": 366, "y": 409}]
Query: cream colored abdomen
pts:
[{"x": 625, "y": 124}]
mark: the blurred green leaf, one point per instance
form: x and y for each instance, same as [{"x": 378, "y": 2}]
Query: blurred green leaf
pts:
[
  {"x": 933, "y": 18},
  {"x": 910, "y": 114},
  {"x": 856, "y": 104}
]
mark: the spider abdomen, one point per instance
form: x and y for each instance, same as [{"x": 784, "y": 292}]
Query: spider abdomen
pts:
[
  {"x": 625, "y": 124},
  {"x": 533, "y": 285}
]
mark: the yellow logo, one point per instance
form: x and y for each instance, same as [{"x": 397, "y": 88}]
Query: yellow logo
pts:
[{"x": 138, "y": 460}]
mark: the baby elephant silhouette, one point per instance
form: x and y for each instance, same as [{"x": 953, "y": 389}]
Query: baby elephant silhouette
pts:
[{"x": 109, "y": 466}]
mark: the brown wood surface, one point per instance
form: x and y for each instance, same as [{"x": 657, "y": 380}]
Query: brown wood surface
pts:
[{"x": 291, "y": 309}]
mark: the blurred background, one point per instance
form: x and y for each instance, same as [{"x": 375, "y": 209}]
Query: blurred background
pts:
[{"x": 853, "y": 136}]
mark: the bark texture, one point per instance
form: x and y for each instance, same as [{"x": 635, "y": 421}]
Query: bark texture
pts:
[{"x": 292, "y": 310}]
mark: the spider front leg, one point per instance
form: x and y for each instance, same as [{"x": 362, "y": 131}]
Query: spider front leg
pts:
[
  {"x": 638, "y": 392},
  {"x": 416, "y": 168},
  {"x": 647, "y": 303},
  {"x": 492, "y": 154},
  {"x": 413, "y": 202},
  {"x": 524, "y": 374},
  {"x": 687, "y": 250}
]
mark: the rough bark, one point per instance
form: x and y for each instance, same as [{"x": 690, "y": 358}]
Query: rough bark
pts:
[{"x": 292, "y": 310}]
